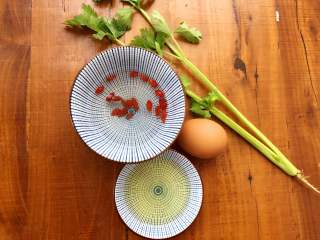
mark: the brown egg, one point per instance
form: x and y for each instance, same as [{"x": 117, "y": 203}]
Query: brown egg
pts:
[{"x": 202, "y": 138}]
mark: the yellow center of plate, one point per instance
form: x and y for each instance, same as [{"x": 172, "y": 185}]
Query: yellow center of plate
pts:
[{"x": 157, "y": 191}]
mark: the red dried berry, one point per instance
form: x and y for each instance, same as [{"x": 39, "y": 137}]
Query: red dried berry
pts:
[
  {"x": 149, "y": 106},
  {"x": 123, "y": 112},
  {"x": 116, "y": 112},
  {"x": 109, "y": 98},
  {"x": 111, "y": 77},
  {"x": 163, "y": 103},
  {"x": 163, "y": 116},
  {"x": 158, "y": 111},
  {"x": 130, "y": 106},
  {"x": 124, "y": 103},
  {"x": 116, "y": 98},
  {"x": 135, "y": 104},
  {"x": 159, "y": 93},
  {"x": 99, "y": 89},
  {"x": 144, "y": 77},
  {"x": 128, "y": 103},
  {"x": 134, "y": 74},
  {"x": 129, "y": 116},
  {"x": 153, "y": 83}
]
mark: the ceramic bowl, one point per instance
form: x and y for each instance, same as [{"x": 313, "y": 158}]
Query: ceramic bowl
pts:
[
  {"x": 142, "y": 137},
  {"x": 159, "y": 198}
]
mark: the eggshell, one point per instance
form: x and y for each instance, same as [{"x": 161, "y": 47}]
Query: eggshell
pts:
[{"x": 202, "y": 138}]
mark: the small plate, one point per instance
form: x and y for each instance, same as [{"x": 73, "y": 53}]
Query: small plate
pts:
[
  {"x": 142, "y": 137},
  {"x": 159, "y": 198}
]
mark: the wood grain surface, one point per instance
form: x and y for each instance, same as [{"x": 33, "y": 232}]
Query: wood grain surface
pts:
[{"x": 263, "y": 54}]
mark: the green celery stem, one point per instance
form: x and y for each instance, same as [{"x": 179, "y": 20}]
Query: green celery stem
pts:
[
  {"x": 193, "y": 95},
  {"x": 117, "y": 41},
  {"x": 227, "y": 103},
  {"x": 199, "y": 74},
  {"x": 254, "y": 142},
  {"x": 281, "y": 157},
  {"x": 181, "y": 53},
  {"x": 290, "y": 168},
  {"x": 282, "y": 163},
  {"x": 145, "y": 15},
  {"x": 174, "y": 50}
]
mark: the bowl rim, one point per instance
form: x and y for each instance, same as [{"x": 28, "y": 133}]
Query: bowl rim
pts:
[{"x": 91, "y": 59}]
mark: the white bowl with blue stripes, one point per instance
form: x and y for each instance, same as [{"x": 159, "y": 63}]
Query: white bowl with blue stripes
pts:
[
  {"x": 142, "y": 137},
  {"x": 160, "y": 198}
]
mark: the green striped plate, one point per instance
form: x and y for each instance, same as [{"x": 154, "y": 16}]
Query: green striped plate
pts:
[{"x": 161, "y": 197}]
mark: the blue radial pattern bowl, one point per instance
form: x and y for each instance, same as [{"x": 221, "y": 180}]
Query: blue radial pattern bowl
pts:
[{"x": 142, "y": 137}]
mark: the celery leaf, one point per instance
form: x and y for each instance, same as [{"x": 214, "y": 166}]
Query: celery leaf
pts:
[
  {"x": 200, "y": 110},
  {"x": 159, "y": 24},
  {"x": 149, "y": 40},
  {"x": 190, "y": 34},
  {"x": 103, "y": 27}
]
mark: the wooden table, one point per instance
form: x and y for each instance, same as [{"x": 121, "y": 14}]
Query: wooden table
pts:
[{"x": 263, "y": 54}]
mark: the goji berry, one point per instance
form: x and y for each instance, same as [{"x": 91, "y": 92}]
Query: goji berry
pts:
[
  {"x": 124, "y": 103},
  {"x": 116, "y": 112},
  {"x": 163, "y": 103},
  {"x": 149, "y": 106},
  {"x": 144, "y": 77},
  {"x": 123, "y": 112},
  {"x": 135, "y": 104},
  {"x": 116, "y": 98},
  {"x": 109, "y": 98},
  {"x": 128, "y": 103},
  {"x": 99, "y": 89},
  {"x": 158, "y": 111},
  {"x": 133, "y": 74},
  {"x": 159, "y": 93},
  {"x": 130, "y": 106},
  {"x": 113, "y": 97},
  {"x": 111, "y": 77},
  {"x": 153, "y": 83},
  {"x": 163, "y": 116}
]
